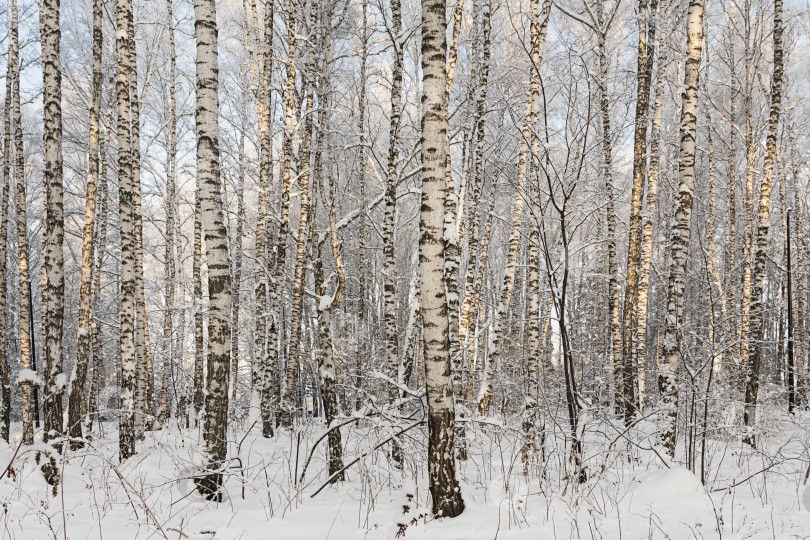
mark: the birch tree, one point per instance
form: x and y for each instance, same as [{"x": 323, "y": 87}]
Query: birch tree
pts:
[
  {"x": 672, "y": 343},
  {"x": 444, "y": 490},
  {"x": 77, "y": 388},
  {"x": 298, "y": 293},
  {"x": 754, "y": 360},
  {"x": 389, "y": 224},
  {"x": 54, "y": 217},
  {"x": 199, "y": 358},
  {"x": 5, "y": 405},
  {"x": 170, "y": 271},
  {"x": 653, "y": 173},
  {"x": 214, "y": 443},
  {"x": 644, "y": 64},
  {"x": 286, "y": 164},
  {"x": 265, "y": 338},
  {"x": 125, "y": 208}
]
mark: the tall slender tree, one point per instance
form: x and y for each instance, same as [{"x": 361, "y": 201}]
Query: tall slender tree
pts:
[
  {"x": 5, "y": 404},
  {"x": 214, "y": 444},
  {"x": 444, "y": 489},
  {"x": 644, "y": 65},
  {"x": 287, "y": 174},
  {"x": 667, "y": 374},
  {"x": 305, "y": 173},
  {"x": 265, "y": 338},
  {"x": 53, "y": 256},
  {"x": 389, "y": 224},
  {"x": 170, "y": 253},
  {"x": 77, "y": 388},
  {"x": 754, "y": 360},
  {"x": 126, "y": 444}
]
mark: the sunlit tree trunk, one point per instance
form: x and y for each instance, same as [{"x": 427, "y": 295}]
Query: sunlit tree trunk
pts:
[
  {"x": 26, "y": 339},
  {"x": 751, "y": 66},
  {"x": 298, "y": 293},
  {"x": 77, "y": 388},
  {"x": 653, "y": 173},
  {"x": 644, "y": 64},
  {"x": 754, "y": 360}
]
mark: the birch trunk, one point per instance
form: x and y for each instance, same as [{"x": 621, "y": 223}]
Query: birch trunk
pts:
[
  {"x": 53, "y": 256},
  {"x": 389, "y": 224},
  {"x": 533, "y": 277},
  {"x": 748, "y": 194},
  {"x": 361, "y": 352},
  {"x": 326, "y": 360},
  {"x": 144, "y": 387},
  {"x": 444, "y": 489},
  {"x": 754, "y": 361},
  {"x": 125, "y": 206},
  {"x": 298, "y": 294},
  {"x": 77, "y": 387},
  {"x": 325, "y": 356},
  {"x": 236, "y": 284},
  {"x": 169, "y": 269},
  {"x": 731, "y": 209},
  {"x": 286, "y": 164},
  {"x": 265, "y": 348},
  {"x": 214, "y": 444},
  {"x": 653, "y": 173},
  {"x": 27, "y": 384},
  {"x": 452, "y": 209},
  {"x": 100, "y": 243},
  {"x": 646, "y": 35},
  {"x": 715, "y": 280},
  {"x": 5, "y": 405},
  {"x": 607, "y": 164},
  {"x": 667, "y": 375},
  {"x": 199, "y": 359}
]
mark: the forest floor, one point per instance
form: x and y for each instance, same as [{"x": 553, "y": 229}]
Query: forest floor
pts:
[{"x": 631, "y": 493}]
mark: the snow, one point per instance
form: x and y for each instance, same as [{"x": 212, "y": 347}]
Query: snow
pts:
[
  {"x": 28, "y": 375},
  {"x": 325, "y": 301},
  {"x": 630, "y": 493}
]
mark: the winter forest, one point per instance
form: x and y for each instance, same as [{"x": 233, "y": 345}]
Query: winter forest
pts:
[{"x": 463, "y": 269}]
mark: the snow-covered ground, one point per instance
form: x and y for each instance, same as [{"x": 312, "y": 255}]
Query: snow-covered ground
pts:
[{"x": 630, "y": 493}]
